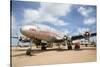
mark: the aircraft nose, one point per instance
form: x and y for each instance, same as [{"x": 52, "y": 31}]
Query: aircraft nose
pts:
[
  {"x": 23, "y": 29},
  {"x": 27, "y": 28}
]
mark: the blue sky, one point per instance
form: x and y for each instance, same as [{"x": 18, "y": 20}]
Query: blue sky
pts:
[{"x": 67, "y": 18}]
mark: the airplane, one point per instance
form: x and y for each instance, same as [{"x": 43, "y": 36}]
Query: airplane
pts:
[
  {"x": 86, "y": 35},
  {"x": 46, "y": 36}
]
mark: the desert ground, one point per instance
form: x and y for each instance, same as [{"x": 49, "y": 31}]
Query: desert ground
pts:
[{"x": 51, "y": 56}]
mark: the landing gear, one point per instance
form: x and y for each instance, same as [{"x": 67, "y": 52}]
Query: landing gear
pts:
[
  {"x": 29, "y": 51},
  {"x": 77, "y": 46},
  {"x": 85, "y": 45},
  {"x": 94, "y": 45},
  {"x": 69, "y": 47},
  {"x": 69, "y": 43},
  {"x": 18, "y": 44},
  {"x": 43, "y": 46}
]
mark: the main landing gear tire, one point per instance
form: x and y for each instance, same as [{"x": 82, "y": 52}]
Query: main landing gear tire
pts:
[
  {"x": 85, "y": 45},
  {"x": 69, "y": 47},
  {"x": 43, "y": 48},
  {"x": 29, "y": 52},
  {"x": 94, "y": 45}
]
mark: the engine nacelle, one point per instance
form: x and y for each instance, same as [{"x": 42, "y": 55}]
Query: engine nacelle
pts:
[{"x": 87, "y": 34}]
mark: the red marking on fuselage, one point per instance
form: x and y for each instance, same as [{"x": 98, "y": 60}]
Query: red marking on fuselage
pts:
[
  {"x": 47, "y": 32},
  {"x": 31, "y": 29}
]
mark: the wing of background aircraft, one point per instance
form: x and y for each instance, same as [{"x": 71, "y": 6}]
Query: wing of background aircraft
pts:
[
  {"x": 93, "y": 34},
  {"x": 83, "y": 36},
  {"x": 77, "y": 37}
]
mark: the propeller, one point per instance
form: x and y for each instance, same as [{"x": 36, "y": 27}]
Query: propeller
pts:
[
  {"x": 65, "y": 37},
  {"x": 87, "y": 35}
]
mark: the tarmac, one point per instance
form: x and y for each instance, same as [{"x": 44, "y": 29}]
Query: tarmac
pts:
[{"x": 51, "y": 56}]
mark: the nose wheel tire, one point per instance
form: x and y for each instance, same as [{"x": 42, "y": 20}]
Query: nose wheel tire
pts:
[{"x": 29, "y": 52}]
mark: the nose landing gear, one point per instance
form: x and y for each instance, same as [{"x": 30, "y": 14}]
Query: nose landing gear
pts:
[{"x": 29, "y": 51}]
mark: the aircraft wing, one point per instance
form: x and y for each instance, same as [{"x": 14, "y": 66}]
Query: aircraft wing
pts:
[
  {"x": 82, "y": 36},
  {"x": 15, "y": 37},
  {"x": 93, "y": 34},
  {"x": 77, "y": 37}
]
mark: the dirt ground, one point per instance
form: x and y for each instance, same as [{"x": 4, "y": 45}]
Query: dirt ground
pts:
[{"x": 52, "y": 56}]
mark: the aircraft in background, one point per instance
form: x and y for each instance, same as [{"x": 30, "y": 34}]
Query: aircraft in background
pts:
[
  {"x": 46, "y": 36},
  {"x": 86, "y": 35}
]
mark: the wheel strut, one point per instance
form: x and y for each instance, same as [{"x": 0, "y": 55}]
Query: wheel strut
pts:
[{"x": 29, "y": 51}]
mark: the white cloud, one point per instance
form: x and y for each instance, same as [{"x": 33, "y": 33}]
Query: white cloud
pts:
[
  {"x": 81, "y": 31},
  {"x": 30, "y": 15},
  {"x": 55, "y": 9},
  {"x": 48, "y": 12},
  {"x": 13, "y": 22},
  {"x": 13, "y": 25},
  {"x": 89, "y": 21},
  {"x": 13, "y": 19},
  {"x": 85, "y": 11},
  {"x": 15, "y": 28},
  {"x": 53, "y": 20},
  {"x": 66, "y": 32}
]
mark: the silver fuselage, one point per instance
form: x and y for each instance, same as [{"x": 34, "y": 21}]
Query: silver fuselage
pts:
[{"x": 32, "y": 31}]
